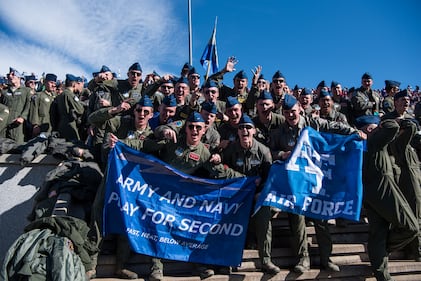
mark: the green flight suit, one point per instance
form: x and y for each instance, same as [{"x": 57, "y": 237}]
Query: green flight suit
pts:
[
  {"x": 263, "y": 131},
  {"x": 39, "y": 114},
  {"x": 410, "y": 176},
  {"x": 124, "y": 128},
  {"x": 392, "y": 224},
  {"x": 69, "y": 109},
  {"x": 18, "y": 101},
  {"x": 255, "y": 161}
]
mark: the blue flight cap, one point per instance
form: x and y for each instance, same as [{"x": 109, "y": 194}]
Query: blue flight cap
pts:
[
  {"x": 155, "y": 73},
  {"x": 322, "y": 84},
  {"x": 401, "y": 94},
  {"x": 3, "y": 80},
  {"x": 261, "y": 77},
  {"x": 366, "y": 76},
  {"x": 169, "y": 101},
  {"x": 306, "y": 92},
  {"x": 366, "y": 120},
  {"x": 245, "y": 119},
  {"x": 193, "y": 71},
  {"x": 71, "y": 78},
  {"x": 324, "y": 93},
  {"x": 231, "y": 101},
  {"x": 210, "y": 84},
  {"x": 391, "y": 83},
  {"x": 241, "y": 75},
  {"x": 265, "y": 95},
  {"x": 51, "y": 77},
  {"x": 135, "y": 66},
  {"x": 334, "y": 84},
  {"x": 187, "y": 66},
  {"x": 30, "y": 78},
  {"x": 105, "y": 68},
  {"x": 15, "y": 72},
  {"x": 183, "y": 80},
  {"x": 289, "y": 102},
  {"x": 209, "y": 107},
  {"x": 145, "y": 101},
  {"x": 195, "y": 117},
  {"x": 277, "y": 75}
]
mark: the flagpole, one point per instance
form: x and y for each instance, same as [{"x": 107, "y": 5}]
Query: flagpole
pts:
[
  {"x": 213, "y": 40},
  {"x": 190, "y": 34}
]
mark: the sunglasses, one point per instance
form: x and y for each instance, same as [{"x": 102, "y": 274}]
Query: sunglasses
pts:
[
  {"x": 167, "y": 87},
  {"x": 135, "y": 73},
  {"x": 140, "y": 110},
  {"x": 192, "y": 127},
  {"x": 278, "y": 81},
  {"x": 195, "y": 76},
  {"x": 245, "y": 126}
]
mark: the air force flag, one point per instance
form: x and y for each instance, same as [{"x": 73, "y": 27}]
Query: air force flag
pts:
[
  {"x": 321, "y": 179},
  {"x": 168, "y": 214}
]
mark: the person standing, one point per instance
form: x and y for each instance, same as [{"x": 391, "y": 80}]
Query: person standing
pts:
[
  {"x": 408, "y": 163},
  {"x": 40, "y": 106},
  {"x": 252, "y": 158},
  {"x": 392, "y": 224},
  {"x": 365, "y": 101},
  {"x": 18, "y": 99},
  {"x": 69, "y": 109},
  {"x": 283, "y": 141}
]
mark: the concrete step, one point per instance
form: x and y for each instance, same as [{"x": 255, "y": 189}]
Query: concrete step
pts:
[{"x": 400, "y": 270}]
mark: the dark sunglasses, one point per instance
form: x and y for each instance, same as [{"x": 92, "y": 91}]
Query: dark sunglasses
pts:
[
  {"x": 245, "y": 126},
  {"x": 191, "y": 127},
  {"x": 140, "y": 110},
  {"x": 135, "y": 73},
  {"x": 278, "y": 81},
  {"x": 195, "y": 76},
  {"x": 167, "y": 87}
]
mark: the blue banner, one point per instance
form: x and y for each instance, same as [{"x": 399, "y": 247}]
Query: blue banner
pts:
[
  {"x": 168, "y": 214},
  {"x": 321, "y": 179}
]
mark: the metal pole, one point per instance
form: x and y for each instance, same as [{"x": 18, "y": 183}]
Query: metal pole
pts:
[{"x": 190, "y": 35}]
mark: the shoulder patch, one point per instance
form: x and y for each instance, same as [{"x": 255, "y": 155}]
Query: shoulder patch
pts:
[
  {"x": 194, "y": 156},
  {"x": 178, "y": 123}
]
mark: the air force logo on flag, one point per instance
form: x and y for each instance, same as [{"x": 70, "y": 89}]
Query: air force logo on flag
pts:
[{"x": 322, "y": 178}]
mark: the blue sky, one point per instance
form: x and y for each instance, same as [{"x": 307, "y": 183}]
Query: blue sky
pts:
[{"x": 307, "y": 40}]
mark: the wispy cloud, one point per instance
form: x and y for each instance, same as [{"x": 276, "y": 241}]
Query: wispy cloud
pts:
[{"x": 80, "y": 36}]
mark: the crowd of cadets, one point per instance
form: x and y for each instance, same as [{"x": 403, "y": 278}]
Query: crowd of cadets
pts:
[{"x": 214, "y": 130}]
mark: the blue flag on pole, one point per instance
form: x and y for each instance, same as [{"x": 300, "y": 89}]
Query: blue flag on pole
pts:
[
  {"x": 322, "y": 178},
  {"x": 209, "y": 59},
  {"x": 168, "y": 214}
]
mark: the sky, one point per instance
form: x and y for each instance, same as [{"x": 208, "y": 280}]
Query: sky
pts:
[{"x": 308, "y": 41}]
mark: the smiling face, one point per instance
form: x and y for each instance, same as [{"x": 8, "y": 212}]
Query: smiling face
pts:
[
  {"x": 245, "y": 134},
  {"x": 142, "y": 114},
  {"x": 234, "y": 114},
  {"x": 292, "y": 115},
  {"x": 134, "y": 77},
  {"x": 194, "y": 132},
  {"x": 402, "y": 104},
  {"x": 326, "y": 105}
]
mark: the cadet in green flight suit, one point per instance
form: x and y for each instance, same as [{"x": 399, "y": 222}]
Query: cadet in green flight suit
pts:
[
  {"x": 406, "y": 158},
  {"x": 17, "y": 98},
  {"x": 69, "y": 108},
  {"x": 282, "y": 143},
  {"x": 392, "y": 224},
  {"x": 39, "y": 115},
  {"x": 252, "y": 158},
  {"x": 187, "y": 153},
  {"x": 131, "y": 131}
]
